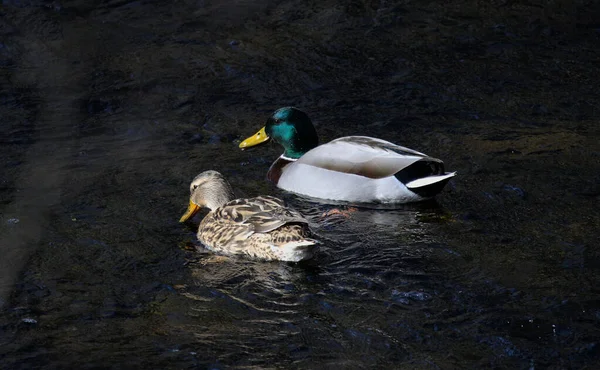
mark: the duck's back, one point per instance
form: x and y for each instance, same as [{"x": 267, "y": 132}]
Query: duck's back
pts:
[
  {"x": 361, "y": 155},
  {"x": 261, "y": 227}
]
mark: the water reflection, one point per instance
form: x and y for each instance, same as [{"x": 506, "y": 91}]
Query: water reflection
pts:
[
  {"x": 370, "y": 269},
  {"x": 110, "y": 109}
]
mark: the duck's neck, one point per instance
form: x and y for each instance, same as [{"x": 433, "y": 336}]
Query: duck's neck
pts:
[
  {"x": 292, "y": 155},
  {"x": 219, "y": 196},
  {"x": 296, "y": 146}
]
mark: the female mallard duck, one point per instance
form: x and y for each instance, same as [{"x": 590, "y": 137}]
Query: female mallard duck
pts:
[
  {"x": 261, "y": 227},
  {"x": 354, "y": 168}
]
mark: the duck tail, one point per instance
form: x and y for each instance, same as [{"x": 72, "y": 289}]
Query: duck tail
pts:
[
  {"x": 429, "y": 186},
  {"x": 297, "y": 250}
]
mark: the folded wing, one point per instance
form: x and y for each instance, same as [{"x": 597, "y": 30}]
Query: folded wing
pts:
[{"x": 363, "y": 156}]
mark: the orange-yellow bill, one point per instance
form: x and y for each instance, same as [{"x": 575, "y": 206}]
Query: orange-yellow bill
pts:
[
  {"x": 259, "y": 137},
  {"x": 191, "y": 211}
]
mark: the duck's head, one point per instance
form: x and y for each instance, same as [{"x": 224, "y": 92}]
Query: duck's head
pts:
[
  {"x": 209, "y": 189},
  {"x": 291, "y": 128}
]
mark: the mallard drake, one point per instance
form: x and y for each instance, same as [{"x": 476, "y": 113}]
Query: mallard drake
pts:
[
  {"x": 356, "y": 169},
  {"x": 261, "y": 227}
]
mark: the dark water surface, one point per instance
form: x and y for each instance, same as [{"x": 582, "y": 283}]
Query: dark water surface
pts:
[{"x": 109, "y": 110}]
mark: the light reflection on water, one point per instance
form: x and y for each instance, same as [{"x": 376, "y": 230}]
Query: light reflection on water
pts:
[
  {"x": 110, "y": 110},
  {"x": 385, "y": 288}
]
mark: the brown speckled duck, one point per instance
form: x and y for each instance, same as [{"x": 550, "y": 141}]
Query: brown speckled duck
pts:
[{"x": 261, "y": 227}]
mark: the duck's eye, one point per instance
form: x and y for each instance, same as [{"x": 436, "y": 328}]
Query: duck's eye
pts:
[{"x": 194, "y": 187}]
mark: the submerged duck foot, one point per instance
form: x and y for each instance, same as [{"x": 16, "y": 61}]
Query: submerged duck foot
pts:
[{"x": 337, "y": 212}]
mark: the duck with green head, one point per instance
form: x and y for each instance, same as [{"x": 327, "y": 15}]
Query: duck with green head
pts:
[{"x": 356, "y": 169}]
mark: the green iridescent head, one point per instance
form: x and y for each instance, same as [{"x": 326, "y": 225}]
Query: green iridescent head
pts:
[{"x": 289, "y": 127}]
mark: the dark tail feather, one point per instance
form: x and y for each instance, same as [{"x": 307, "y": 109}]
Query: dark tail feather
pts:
[{"x": 425, "y": 178}]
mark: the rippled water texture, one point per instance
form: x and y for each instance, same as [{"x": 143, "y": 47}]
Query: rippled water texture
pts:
[{"x": 110, "y": 108}]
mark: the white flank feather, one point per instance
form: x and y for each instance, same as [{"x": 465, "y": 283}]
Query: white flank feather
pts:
[
  {"x": 326, "y": 184},
  {"x": 429, "y": 180}
]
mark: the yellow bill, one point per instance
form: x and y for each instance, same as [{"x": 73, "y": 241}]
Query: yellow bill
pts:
[
  {"x": 259, "y": 137},
  {"x": 191, "y": 211}
]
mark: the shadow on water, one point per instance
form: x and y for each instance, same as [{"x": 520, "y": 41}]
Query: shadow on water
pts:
[{"x": 109, "y": 110}]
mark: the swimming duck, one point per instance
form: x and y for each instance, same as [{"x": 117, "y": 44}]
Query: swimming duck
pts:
[
  {"x": 261, "y": 227},
  {"x": 357, "y": 169}
]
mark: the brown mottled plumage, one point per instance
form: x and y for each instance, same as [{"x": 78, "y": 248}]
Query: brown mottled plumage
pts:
[{"x": 261, "y": 227}]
